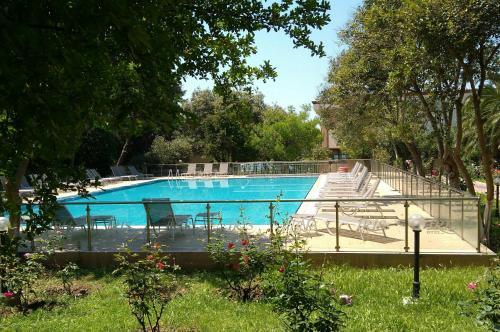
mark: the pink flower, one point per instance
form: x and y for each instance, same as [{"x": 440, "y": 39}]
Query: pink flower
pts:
[
  {"x": 230, "y": 245},
  {"x": 244, "y": 242},
  {"x": 8, "y": 294},
  {"x": 281, "y": 269},
  {"x": 472, "y": 285},
  {"x": 150, "y": 257},
  {"x": 160, "y": 266}
]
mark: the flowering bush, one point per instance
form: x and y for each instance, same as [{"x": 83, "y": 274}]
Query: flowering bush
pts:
[
  {"x": 485, "y": 305},
  {"x": 242, "y": 264},
  {"x": 296, "y": 290},
  {"x": 150, "y": 285},
  {"x": 19, "y": 276}
]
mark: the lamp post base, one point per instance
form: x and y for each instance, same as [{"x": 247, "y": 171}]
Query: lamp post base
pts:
[{"x": 416, "y": 289}]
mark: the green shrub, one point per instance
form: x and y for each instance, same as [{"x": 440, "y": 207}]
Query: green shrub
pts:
[
  {"x": 485, "y": 307},
  {"x": 300, "y": 293},
  {"x": 20, "y": 275},
  {"x": 242, "y": 264},
  {"x": 150, "y": 285},
  {"x": 169, "y": 152},
  {"x": 67, "y": 275}
]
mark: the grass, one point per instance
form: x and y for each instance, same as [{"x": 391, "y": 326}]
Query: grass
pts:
[{"x": 378, "y": 306}]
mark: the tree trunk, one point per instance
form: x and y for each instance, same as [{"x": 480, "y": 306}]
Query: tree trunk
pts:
[
  {"x": 13, "y": 199},
  {"x": 486, "y": 161},
  {"x": 417, "y": 159},
  {"x": 123, "y": 153},
  {"x": 457, "y": 152}
]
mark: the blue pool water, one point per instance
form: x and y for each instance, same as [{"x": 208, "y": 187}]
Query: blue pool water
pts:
[{"x": 203, "y": 189}]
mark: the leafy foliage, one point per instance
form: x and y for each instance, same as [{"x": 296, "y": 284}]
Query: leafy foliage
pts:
[
  {"x": 241, "y": 264},
  {"x": 19, "y": 275},
  {"x": 67, "y": 275},
  {"x": 150, "y": 285},
  {"x": 285, "y": 135},
  {"x": 485, "y": 307},
  {"x": 169, "y": 152}
]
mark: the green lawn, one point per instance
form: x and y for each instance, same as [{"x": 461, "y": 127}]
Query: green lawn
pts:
[{"x": 378, "y": 304}]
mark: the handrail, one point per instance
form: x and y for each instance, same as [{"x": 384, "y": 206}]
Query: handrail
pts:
[
  {"x": 447, "y": 187},
  {"x": 290, "y": 200}
]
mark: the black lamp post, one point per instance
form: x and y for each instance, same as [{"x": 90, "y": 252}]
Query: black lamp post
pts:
[
  {"x": 496, "y": 180},
  {"x": 4, "y": 228},
  {"x": 416, "y": 222}
]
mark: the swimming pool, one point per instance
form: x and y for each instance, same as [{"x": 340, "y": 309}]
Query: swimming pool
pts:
[{"x": 203, "y": 189}]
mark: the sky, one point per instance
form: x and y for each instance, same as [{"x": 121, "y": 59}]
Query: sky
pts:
[{"x": 300, "y": 76}]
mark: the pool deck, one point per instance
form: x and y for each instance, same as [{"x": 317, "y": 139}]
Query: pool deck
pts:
[{"x": 436, "y": 239}]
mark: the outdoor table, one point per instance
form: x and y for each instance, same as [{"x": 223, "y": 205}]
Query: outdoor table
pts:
[{"x": 203, "y": 216}]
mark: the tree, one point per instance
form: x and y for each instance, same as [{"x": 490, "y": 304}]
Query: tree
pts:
[
  {"x": 220, "y": 125},
  {"x": 286, "y": 135},
  {"x": 170, "y": 152},
  {"x": 58, "y": 61},
  {"x": 430, "y": 51}
]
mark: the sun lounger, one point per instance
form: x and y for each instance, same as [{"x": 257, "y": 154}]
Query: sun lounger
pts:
[
  {"x": 223, "y": 169},
  {"x": 25, "y": 188},
  {"x": 135, "y": 172},
  {"x": 207, "y": 169},
  {"x": 93, "y": 174},
  {"x": 162, "y": 214},
  {"x": 191, "y": 171},
  {"x": 64, "y": 219},
  {"x": 120, "y": 171}
]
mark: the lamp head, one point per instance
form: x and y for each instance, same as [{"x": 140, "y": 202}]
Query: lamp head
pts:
[
  {"x": 4, "y": 224},
  {"x": 496, "y": 180},
  {"x": 416, "y": 221}
]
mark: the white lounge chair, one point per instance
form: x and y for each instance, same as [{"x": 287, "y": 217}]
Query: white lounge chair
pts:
[
  {"x": 207, "y": 169},
  {"x": 191, "y": 170},
  {"x": 223, "y": 169},
  {"x": 361, "y": 225}
]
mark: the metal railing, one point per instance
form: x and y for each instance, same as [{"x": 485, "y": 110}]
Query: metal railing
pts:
[
  {"x": 261, "y": 167},
  {"x": 445, "y": 210},
  {"x": 464, "y": 223}
]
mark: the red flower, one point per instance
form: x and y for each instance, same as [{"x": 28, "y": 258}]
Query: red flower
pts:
[
  {"x": 246, "y": 259},
  {"x": 244, "y": 242},
  {"x": 150, "y": 257},
  {"x": 281, "y": 269},
  {"x": 230, "y": 245},
  {"x": 8, "y": 294},
  {"x": 160, "y": 266}
]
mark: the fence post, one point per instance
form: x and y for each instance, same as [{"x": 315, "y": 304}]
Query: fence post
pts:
[
  {"x": 449, "y": 209},
  {"x": 337, "y": 245},
  {"x": 209, "y": 226},
  {"x": 271, "y": 218},
  {"x": 430, "y": 202},
  {"x": 89, "y": 229},
  {"x": 411, "y": 185},
  {"x": 148, "y": 225},
  {"x": 462, "y": 222},
  {"x": 440, "y": 201},
  {"x": 406, "y": 226}
]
